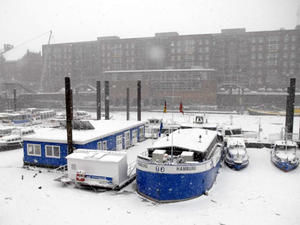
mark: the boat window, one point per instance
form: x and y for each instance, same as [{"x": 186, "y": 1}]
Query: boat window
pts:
[
  {"x": 284, "y": 147},
  {"x": 227, "y": 132},
  {"x": 236, "y": 131}
]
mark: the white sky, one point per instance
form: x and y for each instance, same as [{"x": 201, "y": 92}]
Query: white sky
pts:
[{"x": 85, "y": 20}]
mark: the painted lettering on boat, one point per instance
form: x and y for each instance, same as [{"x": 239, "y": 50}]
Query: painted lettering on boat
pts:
[
  {"x": 160, "y": 169},
  {"x": 185, "y": 168}
]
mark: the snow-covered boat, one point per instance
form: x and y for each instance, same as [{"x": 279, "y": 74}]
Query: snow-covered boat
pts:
[
  {"x": 180, "y": 166},
  {"x": 270, "y": 112},
  {"x": 77, "y": 115},
  {"x": 236, "y": 156},
  {"x": 6, "y": 130},
  {"x": 283, "y": 155},
  {"x": 230, "y": 131},
  {"x": 10, "y": 142},
  {"x": 14, "y": 140}
]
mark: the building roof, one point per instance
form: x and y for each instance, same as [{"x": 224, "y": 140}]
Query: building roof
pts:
[
  {"x": 103, "y": 156},
  {"x": 103, "y": 128}
]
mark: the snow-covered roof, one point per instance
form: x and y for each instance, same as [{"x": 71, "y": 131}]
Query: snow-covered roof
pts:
[
  {"x": 188, "y": 139},
  {"x": 235, "y": 141},
  {"x": 103, "y": 128},
  {"x": 97, "y": 155},
  {"x": 285, "y": 143}
]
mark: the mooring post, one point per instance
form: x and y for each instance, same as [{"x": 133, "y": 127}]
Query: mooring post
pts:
[
  {"x": 127, "y": 103},
  {"x": 69, "y": 112},
  {"x": 15, "y": 100},
  {"x": 289, "y": 118},
  {"x": 98, "y": 101},
  {"x": 139, "y": 117},
  {"x": 106, "y": 90}
]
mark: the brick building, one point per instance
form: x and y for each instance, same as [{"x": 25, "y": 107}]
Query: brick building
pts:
[{"x": 253, "y": 59}]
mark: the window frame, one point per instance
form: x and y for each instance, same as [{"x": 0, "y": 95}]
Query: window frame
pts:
[
  {"x": 52, "y": 150},
  {"x": 34, "y": 149}
]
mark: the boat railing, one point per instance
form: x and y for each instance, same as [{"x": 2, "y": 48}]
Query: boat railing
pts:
[{"x": 204, "y": 165}]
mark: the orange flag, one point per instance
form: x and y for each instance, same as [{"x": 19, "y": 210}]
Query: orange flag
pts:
[
  {"x": 165, "y": 107},
  {"x": 181, "y": 108}
]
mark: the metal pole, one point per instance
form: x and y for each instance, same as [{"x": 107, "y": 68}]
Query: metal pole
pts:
[
  {"x": 289, "y": 119},
  {"x": 127, "y": 103},
  {"x": 98, "y": 101},
  {"x": 139, "y": 100},
  {"x": 106, "y": 90},
  {"x": 69, "y": 112}
]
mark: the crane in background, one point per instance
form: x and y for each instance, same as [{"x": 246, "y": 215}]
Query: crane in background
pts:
[
  {"x": 45, "y": 59},
  {"x": 7, "y": 48}
]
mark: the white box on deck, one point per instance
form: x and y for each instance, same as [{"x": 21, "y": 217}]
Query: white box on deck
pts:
[
  {"x": 98, "y": 163},
  {"x": 187, "y": 156},
  {"x": 158, "y": 155}
]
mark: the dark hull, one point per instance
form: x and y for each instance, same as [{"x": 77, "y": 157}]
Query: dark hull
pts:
[
  {"x": 10, "y": 146},
  {"x": 285, "y": 166},
  {"x": 236, "y": 166}
]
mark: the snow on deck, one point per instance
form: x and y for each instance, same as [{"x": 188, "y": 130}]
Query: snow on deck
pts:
[
  {"x": 92, "y": 155},
  {"x": 103, "y": 128},
  {"x": 192, "y": 139}
]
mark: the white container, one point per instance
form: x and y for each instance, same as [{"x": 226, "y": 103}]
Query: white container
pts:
[
  {"x": 98, "y": 167},
  {"x": 187, "y": 156}
]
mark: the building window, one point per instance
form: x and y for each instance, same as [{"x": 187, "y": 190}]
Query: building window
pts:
[
  {"x": 292, "y": 56},
  {"x": 34, "y": 149},
  {"x": 52, "y": 151}
]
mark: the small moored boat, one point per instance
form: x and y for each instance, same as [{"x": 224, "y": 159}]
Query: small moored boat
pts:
[
  {"x": 10, "y": 142},
  {"x": 180, "y": 166},
  {"x": 236, "y": 156},
  {"x": 283, "y": 155}
]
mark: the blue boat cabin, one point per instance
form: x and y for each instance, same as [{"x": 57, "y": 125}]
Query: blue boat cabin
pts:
[{"x": 48, "y": 146}]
